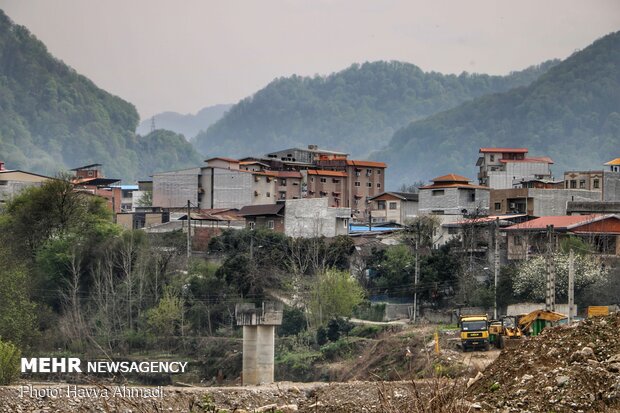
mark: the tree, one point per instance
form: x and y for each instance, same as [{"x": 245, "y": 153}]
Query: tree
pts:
[
  {"x": 335, "y": 294},
  {"x": 529, "y": 281}
]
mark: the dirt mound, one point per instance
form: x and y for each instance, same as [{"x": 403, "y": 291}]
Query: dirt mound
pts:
[{"x": 564, "y": 369}]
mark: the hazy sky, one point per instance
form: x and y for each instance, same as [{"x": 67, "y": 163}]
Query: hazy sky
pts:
[{"x": 186, "y": 54}]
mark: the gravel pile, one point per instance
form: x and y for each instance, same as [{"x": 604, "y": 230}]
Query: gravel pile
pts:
[{"x": 565, "y": 369}]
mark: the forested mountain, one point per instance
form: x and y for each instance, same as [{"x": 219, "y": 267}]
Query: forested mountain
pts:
[
  {"x": 356, "y": 110},
  {"x": 52, "y": 118},
  {"x": 188, "y": 125},
  {"x": 571, "y": 113}
]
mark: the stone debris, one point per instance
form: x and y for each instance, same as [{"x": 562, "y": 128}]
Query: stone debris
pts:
[{"x": 564, "y": 369}]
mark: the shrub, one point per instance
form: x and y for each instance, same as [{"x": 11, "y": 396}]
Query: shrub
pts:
[{"x": 9, "y": 362}]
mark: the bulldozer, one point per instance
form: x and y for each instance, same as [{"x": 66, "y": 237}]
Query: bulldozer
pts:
[
  {"x": 504, "y": 332},
  {"x": 534, "y": 322}
]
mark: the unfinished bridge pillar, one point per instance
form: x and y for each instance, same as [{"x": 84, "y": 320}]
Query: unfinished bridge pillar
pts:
[{"x": 258, "y": 340}]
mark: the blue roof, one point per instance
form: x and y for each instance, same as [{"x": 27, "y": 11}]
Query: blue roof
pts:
[
  {"x": 128, "y": 187},
  {"x": 365, "y": 228}
]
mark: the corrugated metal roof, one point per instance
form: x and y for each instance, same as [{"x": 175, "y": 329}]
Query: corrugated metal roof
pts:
[{"x": 264, "y": 209}]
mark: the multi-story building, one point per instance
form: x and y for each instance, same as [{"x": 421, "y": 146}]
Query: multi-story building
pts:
[
  {"x": 502, "y": 168},
  {"x": 395, "y": 207},
  {"x": 589, "y": 180},
  {"x": 318, "y": 183},
  {"x": 453, "y": 195},
  {"x": 537, "y": 202},
  {"x": 90, "y": 179},
  {"x": 303, "y": 156}
]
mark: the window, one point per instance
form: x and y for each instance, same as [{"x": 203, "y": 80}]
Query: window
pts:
[
  {"x": 582, "y": 184},
  {"x": 381, "y": 205},
  {"x": 498, "y": 206},
  {"x": 282, "y": 195},
  {"x": 378, "y": 185},
  {"x": 251, "y": 224},
  {"x": 378, "y": 171},
  {"x": 368, "y": 172},
  {"x": 357, "y": 172},
  {"x": 357, "y": 183},
  {"x": 573, "y": 184},
  {"x": 270, "y": 224},
  {"x": 323, "y": 180},
  {"x": 492, "y": 158},
  {"x": 595, "y": 184},
  {"x": 345, "y": 223},
  {"x": 336, "y": 181},
  {"x": 268, "y": 194},
  {"x": 393, "y": 205},
  {"x": 311, "y": 179},
  {"x": 518, "y": 241},
  {"x": 4, "y": 182},
  {"x": 369, "y": 184},
  {"x": 472, "y": 197},
  {"x": 283, "y": 182},
  {"x": 437, "y": 192}
]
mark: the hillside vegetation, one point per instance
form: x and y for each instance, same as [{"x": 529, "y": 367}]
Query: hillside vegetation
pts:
[
  {"x": 52, "y": 118},
  {"x": 356, "y": 110},
  {"x": 571, "y": 113}
]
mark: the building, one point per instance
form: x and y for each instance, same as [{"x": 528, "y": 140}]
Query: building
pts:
[
  {"x": 501, "y": 168},
  {"x": 365, "y": 179},
  {"x": 589, "y": 180},
  {"x": 139, "y": 220},
  {"x": 333, "y": 185},
  {"x": 13, "y": 181},
  {"x": 537, "y": 202},
  {"x": 602, "y": 232},
  {"x": 267, "y": 216},
  {"x": 614, "y": 165},
  {"x": 307, "y": 156},
  {"x": 453, "y": 195},
  {"x": 307, "y": 218},
  {"x": 90, "y": 179},
  {"x": 397, "y": 207}
]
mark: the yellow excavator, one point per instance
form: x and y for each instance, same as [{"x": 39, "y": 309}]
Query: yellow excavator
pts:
[
  {"x": 504, "y": 332},
  {"x": 534, "y": 322}
]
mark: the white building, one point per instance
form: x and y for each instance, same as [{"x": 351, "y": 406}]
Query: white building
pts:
[{"x": 503, "y": 168}]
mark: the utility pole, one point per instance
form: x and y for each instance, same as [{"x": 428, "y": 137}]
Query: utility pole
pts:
[
  {"x": 571, "y": 285},
  {"x": 417, "y": 273},
  {"x": 550, "y": 296},
  {"x": 189, "y": 232},
  {"x": 496, "y": 267}
]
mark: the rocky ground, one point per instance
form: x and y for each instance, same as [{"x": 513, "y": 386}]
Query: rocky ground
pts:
[{"x": 565, "y": 369}]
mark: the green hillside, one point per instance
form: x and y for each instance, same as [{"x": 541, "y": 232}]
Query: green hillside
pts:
[
  {"x": 571, "y": 113},
  {"x": 52, "y": 118},
  {"x": 356, "y": 110}
]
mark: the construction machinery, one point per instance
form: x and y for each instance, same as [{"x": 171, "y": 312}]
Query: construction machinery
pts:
[
  {"x": 534, "y": 322},
  {"x": 474, "y": 331},
  {"x": 504, "y": 332}
]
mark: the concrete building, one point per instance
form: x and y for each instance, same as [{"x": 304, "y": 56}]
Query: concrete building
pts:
[
  {"x": 538, "y": 202},
  {"x": 331, "y": 185},
  {"x": 12, "y": 182},
  {"x": 174, "y": 188},
  {"x": 614, "y": 165},
  {"x": 590, "y": 180},
  {"x": 602, "y": 232},
  {"x": 501, "y": 168},
  {"x": 453, "y": 195},
  {"x": 313, "y": 217},
  {"x": 395, "y": 207},
  {"x": 139, "y": 220},
  {"x": 268, "y": 216},
  {"x": 288, "y": 185},
  {"x": 304, "y": 156}
]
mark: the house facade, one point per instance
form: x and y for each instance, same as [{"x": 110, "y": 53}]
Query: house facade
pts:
[
  {"x": 502, "y": 168},
  {"x": 453, "y": 195},
  {"x": 397, "y": 207},
  {"x": 267, "y": 216},
  {"x": 537, "y": 202},
  {"x": 313, "y": 217},
  {"x": 12, "y": 182}
]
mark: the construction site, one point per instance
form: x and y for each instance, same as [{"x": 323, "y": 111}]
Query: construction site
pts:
[{"x": 559, "y": 368}]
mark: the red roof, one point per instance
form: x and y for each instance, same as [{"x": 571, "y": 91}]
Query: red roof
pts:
[
  {"x": 289, "y": 174},
  {"x": 503, "y": 150},
  {"x": 223, "y": 159},
  {"x": 367, "y": 164},
  {"x": 563, "y": 222},
  {"x": 543, "y": 159},
  {"x": 326, "y": 173},
  {"x": 451, "y": 178}
]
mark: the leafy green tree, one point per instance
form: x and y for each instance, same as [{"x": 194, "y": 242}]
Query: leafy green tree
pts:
[{"x": 334, "y": 294}]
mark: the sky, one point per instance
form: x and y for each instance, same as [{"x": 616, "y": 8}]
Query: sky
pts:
[{"x": 184, "y": 55}]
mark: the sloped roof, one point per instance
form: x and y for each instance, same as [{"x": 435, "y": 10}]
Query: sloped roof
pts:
[
  {"x": 560, "y": 223},
  {"x": 263, "y": 209},
  {"x": 288, "y": 174},
  {"x": 538, "y": 159},
  {"x": 503, "y": 150},
  {"x": 405, "y": 196},
  {"x": 326, "y": 173},
  {"x": 370, "y": 164},
  {"x": 613, "y": 162},
  {"x": 222, "y": 159},
  {"x": 451, "y": 178}
]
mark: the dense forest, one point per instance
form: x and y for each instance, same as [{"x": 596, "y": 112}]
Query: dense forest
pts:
[
  {"x": 356, "y": 110},
  {"x": 187, "y": 125},
  {"x": 571, "y": 113},
  {"x": 52, "y": 118}
]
